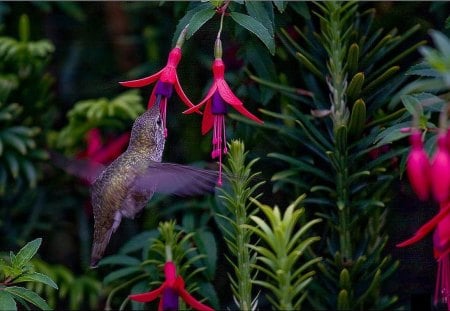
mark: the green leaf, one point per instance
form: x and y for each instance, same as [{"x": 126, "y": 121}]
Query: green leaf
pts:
[
  {"x": 424, "y": 70},
  {"x": 207, "y": 245},
  {"x": 36, "y": 277},
  {"x": 29, "y": 296},
  {"x": 412, "y": 104},
  {"x": 27, "y": 252},
  {"x": 357, "y": 118},
  {"x": 185, "y": 20},
  {"x": 7, "y": 302},
  {"x": 280, "y": 4},
  {"x": 300, "y": 7},
  {"x": 257, "y": 10},
  {"x": 198, "y": 20},
  {"x": 119, "y": 260},
  {"x": 254, "y": 26},
  {"x": 355, "y": 86},
  {"x": 124, "y": 272},
  {"x": 139, "y": 241}
]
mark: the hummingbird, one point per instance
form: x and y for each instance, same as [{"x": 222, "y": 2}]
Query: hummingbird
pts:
[{"x": 123, "y": 188}]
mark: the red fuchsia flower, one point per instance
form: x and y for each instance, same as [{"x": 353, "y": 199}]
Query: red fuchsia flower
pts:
[
  {"x": 169, "y": 291},
  {"x": 166, "y": 79},
  {"x": 418, "y": 166},
  {"x": 441, "y": 244},
  {"x": 215, "y": 102},
  {"x": 440, "y": 170}
]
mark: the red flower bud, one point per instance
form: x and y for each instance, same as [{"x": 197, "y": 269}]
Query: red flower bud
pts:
[
  {"x": 440, "y": 170},
  {"x": 418, "y": 167}
]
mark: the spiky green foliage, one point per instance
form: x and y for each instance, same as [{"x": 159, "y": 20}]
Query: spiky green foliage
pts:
[
  {"x": 236, "y": 198},
  {"x": 283, "y": 245},
  {"x": 15, "y": 273},
  {"x": 144, "y": 273},
  {"x": 350, "y": 72}
]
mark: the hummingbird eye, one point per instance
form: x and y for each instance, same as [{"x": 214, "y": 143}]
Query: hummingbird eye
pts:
[{"x": 158, "y": 121}]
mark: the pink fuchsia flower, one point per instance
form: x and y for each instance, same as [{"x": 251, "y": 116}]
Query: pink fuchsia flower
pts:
[
  {"x": 441, "y": 245},
  {"x": 418, "y": 166},
  {"x": 440, "y": 170},
  {"x": 169, "y": 291},
  {"x": 216, "y": 104},
  {"x": 428, "y": 226},
  {"x": 166, "y": 79}
]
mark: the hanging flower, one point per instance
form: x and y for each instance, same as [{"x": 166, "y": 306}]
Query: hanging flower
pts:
[
  {"x": 418, "y": 166},
  {"x": 216, "y": 100},
  {"x": 166, "y": 79},
  {"x": 169, "y": 291},
  {"x": 440, "y": 170}
]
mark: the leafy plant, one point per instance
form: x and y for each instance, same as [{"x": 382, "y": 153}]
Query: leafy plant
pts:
[
  {"x": 232, "y": 220},
  {"x": 350, "y": 72},
  {"x": 20, "y": 270},
  {"x": 279, "y": 252},
  {"x": 78, "y": 291},
  {"x": 140, "y": 274},
  {"x": 20, "y": 136}
]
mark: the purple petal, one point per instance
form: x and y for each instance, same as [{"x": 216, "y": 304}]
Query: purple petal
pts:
[
  {"x": 164, "y": 88},
  {"x": 170, "y": 300},
  {"x": 218, "y": 104}
]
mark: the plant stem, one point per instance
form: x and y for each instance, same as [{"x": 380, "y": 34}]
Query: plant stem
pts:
[{"x": 337, "y": 84}]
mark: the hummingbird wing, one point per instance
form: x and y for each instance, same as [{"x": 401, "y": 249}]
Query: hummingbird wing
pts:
[
  {"x": 181, "y": 180},
  {"x": 84, "y": 169}
]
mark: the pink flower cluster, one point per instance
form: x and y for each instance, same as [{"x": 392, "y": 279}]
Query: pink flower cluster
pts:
[
  {"x": 430, "y": 176},
  {"x": 215, "y": 103},
  {"x": 433, "y": 177}
]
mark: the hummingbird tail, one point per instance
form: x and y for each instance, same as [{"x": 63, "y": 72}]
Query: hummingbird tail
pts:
[{"x": 100, "y": 242}]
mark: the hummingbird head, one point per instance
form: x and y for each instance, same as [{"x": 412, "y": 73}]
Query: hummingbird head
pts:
[{"x": 147, "y": 134}]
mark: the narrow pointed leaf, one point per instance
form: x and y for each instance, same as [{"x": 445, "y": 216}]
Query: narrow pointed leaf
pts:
[
  {"x": 254, "y": 26},
  {"x": 198, "y": 20},
  {"x": 28, "y": 295}
]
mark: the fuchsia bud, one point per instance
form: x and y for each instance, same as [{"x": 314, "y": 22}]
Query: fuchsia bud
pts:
[
  {"x": 418, "y": 166},
  {"x": 440, "y": 170}
]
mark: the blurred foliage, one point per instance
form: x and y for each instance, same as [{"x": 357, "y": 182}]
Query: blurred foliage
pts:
[
  {"x": 75, "y": 292},
  {"x": 116, "y": 114},
  {"x": 20, "y": 270}
]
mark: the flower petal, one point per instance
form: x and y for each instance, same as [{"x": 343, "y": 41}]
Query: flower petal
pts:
[
  {"x": 247, "y": 114},
  {"x": 227, "y": 94},
  {"x": 152, "y": 99},
  {"x": 208, "y": 118},
  {"x": 189, "y": 299},
  {"x": 181, "y": 93},
  {"x": 144, "y": 81},
  {"x": 168, "y": 75},
  {"x": 426, "y": 228},
  {"x": 149, "y": 296},
  {"x": 207, "y": 97}
]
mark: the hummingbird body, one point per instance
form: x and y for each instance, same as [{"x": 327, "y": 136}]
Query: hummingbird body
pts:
[
  {"x": 125, "y": 186},
  {"x": 114, "y": 193}
]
